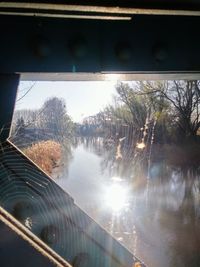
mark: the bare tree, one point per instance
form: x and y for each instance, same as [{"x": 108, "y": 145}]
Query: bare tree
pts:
[
  {"x": 136, "y": 105},
  {"x": 184, "y": 99}
]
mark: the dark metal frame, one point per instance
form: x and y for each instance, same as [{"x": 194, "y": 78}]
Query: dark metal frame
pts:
[
  {"x": 165, "y": 46},
  {"x": 146, "y": 44}
]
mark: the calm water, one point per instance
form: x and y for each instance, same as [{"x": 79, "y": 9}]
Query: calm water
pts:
[{"x": 153, "y": 210}]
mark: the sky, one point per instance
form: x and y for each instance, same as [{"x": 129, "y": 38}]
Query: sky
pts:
[{"x": 82, "y": 98}]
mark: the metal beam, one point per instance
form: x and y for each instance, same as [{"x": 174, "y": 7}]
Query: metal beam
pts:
[
  {"x": 8, "y": 91},
  {"x": 151, "y": 7},
  {"x": 146, "y": 44},
  {"x": 26, "y": 249},
  {"x": 36, "y": 201}
]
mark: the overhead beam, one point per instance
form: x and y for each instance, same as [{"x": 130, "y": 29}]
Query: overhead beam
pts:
[
  {"x": 186, "y": 8},
  {"x": 146, "y": 44}
]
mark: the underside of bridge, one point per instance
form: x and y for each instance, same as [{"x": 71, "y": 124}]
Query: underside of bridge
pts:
[{"x": 77, "y": 40}]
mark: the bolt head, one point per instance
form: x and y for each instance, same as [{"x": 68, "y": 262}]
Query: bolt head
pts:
[{"x": 123, "y": 52}]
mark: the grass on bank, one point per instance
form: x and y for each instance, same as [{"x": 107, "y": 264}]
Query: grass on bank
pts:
[{"x": 46, "y": 154}]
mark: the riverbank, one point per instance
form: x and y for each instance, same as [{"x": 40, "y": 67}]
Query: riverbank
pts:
[{"x": 46, "y": 154}]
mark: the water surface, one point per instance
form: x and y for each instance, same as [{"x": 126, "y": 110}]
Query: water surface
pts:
[{"x": 154, "y": 212}]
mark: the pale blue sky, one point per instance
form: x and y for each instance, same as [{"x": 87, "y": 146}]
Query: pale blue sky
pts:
[{"x": 82, "y": 98}]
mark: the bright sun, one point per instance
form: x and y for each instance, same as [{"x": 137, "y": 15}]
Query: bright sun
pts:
[{"x": 116, "y": 197}]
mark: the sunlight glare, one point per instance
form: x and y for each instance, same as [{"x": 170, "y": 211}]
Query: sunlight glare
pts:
[
  {"x": 112, "y": 77},
  {"x": 116, "y": 197},
  {"x": 141, "y": 145}
]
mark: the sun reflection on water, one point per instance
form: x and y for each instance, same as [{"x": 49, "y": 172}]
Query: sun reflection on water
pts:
[{"x": 116, "y": 195}]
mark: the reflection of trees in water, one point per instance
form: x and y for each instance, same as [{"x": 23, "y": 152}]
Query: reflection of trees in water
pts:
[
  {"x": 125, "y": 162},
  {"x": 173, "y": 202},
  {"x": 188, "y": 235},
  {"x": 92, "y": 144},
  {"x": 178, "y": 199},
  {"x": 67, "y": 156},
  {"x": 116, "y": 157},
  {"x": 185, "y": 246}
]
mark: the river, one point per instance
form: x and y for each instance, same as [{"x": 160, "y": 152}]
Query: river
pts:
[{"x": 152, "y": 216}]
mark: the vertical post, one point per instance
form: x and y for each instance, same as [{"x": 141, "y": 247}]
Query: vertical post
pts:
[{"x": 8, "y": 91}]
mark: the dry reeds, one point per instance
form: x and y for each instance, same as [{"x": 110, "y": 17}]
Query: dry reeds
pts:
[{"x": 45, "y": 154}]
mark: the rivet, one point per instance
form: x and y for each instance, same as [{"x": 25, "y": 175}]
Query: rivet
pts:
[
  {"x": 160, "y": 52},
  {"x": 81, "y": 260},
  {"x": 23, "y": 210},
  {"x": 50, "y": 234},
  {"x": 78, "y": 48},
  {"x": 123, "y": 52},
  {"x": 41, "y": 47}
]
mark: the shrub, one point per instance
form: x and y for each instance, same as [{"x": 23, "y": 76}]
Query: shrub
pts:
[{"x": 45, "y": 154}]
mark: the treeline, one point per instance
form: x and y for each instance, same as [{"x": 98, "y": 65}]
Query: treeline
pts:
[
  {"x": 168, "y": 111},
  {"x": 51, "y": 121},
  {"x": 44, "y": 135}
]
